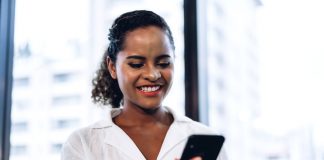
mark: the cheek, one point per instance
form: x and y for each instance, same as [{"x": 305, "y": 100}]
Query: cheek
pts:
[
  {"x": 125, "y": 76},
  {"x": 121, "y": 77},
  {"x": 168, "y": 75}
]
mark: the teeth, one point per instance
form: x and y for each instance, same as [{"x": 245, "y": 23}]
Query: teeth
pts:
[{"x": 150, "y": 89}]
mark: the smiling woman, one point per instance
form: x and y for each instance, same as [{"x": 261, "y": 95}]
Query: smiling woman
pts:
[{"x": 135, "y": 76}]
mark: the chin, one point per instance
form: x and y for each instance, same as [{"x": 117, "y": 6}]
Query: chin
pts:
[
  {"x": 150, "y": 107},
  {"x": 153, "y": 106}
]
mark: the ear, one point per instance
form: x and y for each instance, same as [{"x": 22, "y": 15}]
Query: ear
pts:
[{"x": 111, "y": 68}]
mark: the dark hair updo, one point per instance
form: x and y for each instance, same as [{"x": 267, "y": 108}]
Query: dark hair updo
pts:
[{"x": 106, "y": 89}]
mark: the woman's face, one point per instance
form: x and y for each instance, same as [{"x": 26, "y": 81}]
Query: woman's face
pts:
[{"x": 144, "y": 68}]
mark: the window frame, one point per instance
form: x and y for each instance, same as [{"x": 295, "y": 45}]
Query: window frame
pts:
[
  {"x": 191, "y": 59},
  {"x": 6, "y": 63}
]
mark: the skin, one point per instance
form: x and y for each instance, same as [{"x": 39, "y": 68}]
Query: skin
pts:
[
  {"x": 146, "y": 60},
  {"x": 194, "y": 158}
]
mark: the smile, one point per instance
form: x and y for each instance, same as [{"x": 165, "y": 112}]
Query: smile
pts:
[{"x": 149, "y": 88}]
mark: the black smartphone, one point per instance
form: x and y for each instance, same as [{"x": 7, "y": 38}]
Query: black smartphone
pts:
[{"x": 205, "y": 146}]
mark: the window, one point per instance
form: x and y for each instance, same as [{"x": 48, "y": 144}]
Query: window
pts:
[
  {"x": 21, "y": 82},
  {"x": 62, "y": 77},
  {"x": 63, "y": 51},
  {"x": 226, "y": 80},
  {"x": 19, "y": 127},
  {"x": 227, "y": 23},
  {"x": 18, "y": 150},
  {"x": 21, "y": 104},
  {"x": 64, "y": 123},
  {"x": 66, "y": 100},
  {"x": 24, "y": 51},
  {"x": 56, "y": 148}
]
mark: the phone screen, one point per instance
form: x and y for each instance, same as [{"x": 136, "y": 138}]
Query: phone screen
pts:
[{"x": 205, "y": 146}]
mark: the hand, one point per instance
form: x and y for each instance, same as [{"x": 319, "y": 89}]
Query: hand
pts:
[{"x": 194, "y": 158}]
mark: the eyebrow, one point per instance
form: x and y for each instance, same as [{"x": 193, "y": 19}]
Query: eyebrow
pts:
[
  {"x": 163, "y": 56},
  {"x": 136, "y": 57},
  {"x": 143, "y": 58}
]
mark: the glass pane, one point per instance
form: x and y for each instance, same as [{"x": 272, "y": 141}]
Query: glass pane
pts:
[
  {"x": 265, "y": 77},
  {"x": 228, "y": 48},
  {"x": 58, "y": 47}
]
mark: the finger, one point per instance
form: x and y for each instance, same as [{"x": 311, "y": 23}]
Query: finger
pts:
[{"x": 196, "y": 158}]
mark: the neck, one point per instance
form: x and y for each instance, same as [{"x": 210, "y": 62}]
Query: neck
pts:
[{"x": 138, "y": 116}]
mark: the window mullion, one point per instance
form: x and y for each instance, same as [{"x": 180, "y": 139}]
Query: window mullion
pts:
[{"x": 6, "y": 63}]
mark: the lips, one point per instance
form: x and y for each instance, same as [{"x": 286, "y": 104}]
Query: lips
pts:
[{"x": 150, "y": 90}]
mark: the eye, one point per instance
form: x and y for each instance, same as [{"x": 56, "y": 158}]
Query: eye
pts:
[
  {"x": 136, "y": 65},
  {"x": 164, "y": 64}
]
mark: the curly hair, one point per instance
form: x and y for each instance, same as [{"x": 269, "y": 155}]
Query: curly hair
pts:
[{"x": 106, "y": 90}]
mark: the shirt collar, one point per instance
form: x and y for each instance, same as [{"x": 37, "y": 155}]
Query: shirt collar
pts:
[{"x": 113, "y": 112}]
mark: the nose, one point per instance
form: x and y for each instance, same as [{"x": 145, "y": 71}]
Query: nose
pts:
[{"x": 152, "y": 74}]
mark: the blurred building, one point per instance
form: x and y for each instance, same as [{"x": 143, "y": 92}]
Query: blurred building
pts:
[
  {"x": 229, "y": 71},
  {"x": 56, "y": 55},
  {"x": 51, "y": 98},
  {"x": 54, "y": 67},
  {"x": 296, "y": 144}
]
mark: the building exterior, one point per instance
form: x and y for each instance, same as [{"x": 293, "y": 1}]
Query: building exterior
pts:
[
  {"x": 229, "y": 71},
  {"x": 53, "y": 68},
  {"x": 56, "y": 55},
  {"x": 50, "y": 99},
  {"x": 229, "y": 63}
]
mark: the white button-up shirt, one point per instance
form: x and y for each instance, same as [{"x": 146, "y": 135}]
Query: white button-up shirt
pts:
[{"x": 104, "y": 140}]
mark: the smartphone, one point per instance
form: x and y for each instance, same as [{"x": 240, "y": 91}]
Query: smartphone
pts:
[{"x": 205, "y": 146}]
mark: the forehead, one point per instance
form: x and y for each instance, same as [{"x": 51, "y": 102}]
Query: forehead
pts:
[
  {"x": 147, "y": 41},
  {"x": 146, "y": 35}
]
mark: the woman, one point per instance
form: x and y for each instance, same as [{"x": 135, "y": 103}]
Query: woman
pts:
[{"x": 136, "y": 73}]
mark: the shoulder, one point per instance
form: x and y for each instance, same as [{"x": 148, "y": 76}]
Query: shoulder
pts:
[
  {"x": 76, "y": 136},
  {"x": 73, "y": 147},
  {"x": 79, "y": 141},
  {"x": 89, "y": 132}
]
